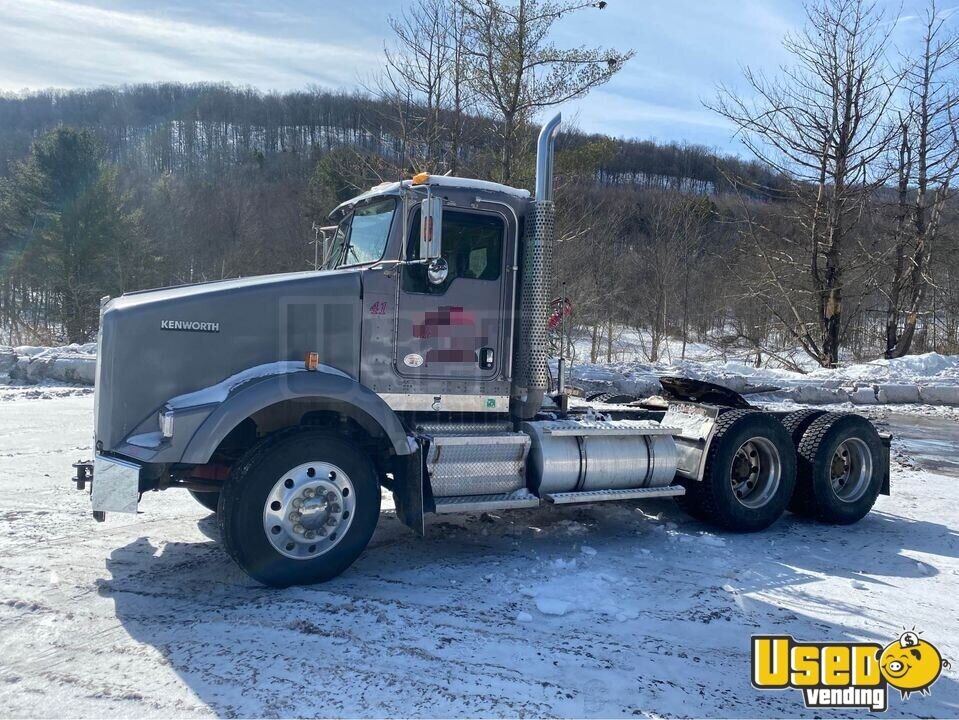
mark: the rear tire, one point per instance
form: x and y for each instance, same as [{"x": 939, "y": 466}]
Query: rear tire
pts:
[
  {"x": 209, "y": 500},
  {"x": 796, "y": 424},
  {"x": 299, "y": 509},
  {"x": 840, "y": 468},
  {"x": 749, "y": 476}
]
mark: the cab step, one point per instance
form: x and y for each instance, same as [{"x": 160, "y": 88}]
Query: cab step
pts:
[
  {"x": 467, "y": 465},
  {"x": 483, "y": 503},
  {"x": 592, "y": 496}
]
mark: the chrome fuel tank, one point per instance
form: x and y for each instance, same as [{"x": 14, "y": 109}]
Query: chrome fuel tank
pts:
[{"x": 571, "y": 455}]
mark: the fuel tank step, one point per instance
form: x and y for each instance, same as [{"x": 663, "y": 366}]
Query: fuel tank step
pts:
[
  {"x": 481, "y": 503},
  {"x": 467, "y": 465},
  {"x": 591, "y": 496}
]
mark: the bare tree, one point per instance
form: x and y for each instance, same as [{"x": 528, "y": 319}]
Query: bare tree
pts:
[
  {"x": 927, "y": 161},
  {"x": 823, "y": 124},
  {"x": 516, "y": 71},
  {"x": 424, "y": 82}
]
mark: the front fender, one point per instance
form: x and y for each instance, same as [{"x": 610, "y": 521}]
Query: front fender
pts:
[{"x": 338, "y": 392}]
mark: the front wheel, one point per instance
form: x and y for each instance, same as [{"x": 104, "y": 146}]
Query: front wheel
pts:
[
  {"x": 749, "y": 475},
  {"x": 300, "y": 509}
]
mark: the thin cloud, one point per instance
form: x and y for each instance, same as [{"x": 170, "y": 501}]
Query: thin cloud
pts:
[{"x": 87, "y": 46}]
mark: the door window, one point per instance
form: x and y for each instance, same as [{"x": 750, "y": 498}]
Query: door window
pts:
[{"x": 472, "y": 245}]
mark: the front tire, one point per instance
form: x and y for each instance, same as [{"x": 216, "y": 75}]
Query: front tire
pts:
[
  {"x": 299, "y": 509},
  {"x": 840, "y": 468},
  {"x": 749, "y": 476}
]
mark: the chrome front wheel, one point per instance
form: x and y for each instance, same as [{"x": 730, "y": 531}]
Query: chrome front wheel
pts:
[
  {"x": 299, "y": 507},
  {"x": 309, "y": 510}
]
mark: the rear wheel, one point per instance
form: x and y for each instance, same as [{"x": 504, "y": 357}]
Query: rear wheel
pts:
[
  {"x": 840, "y": 468},
  {"x": 796, "y": 424},
  {"x": 299, "y": 510},
  {"x": 209, "y": 500},
  {"x": 749, "y": 476}
]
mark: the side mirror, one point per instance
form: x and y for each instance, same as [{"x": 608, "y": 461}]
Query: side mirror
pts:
[
  {"x": 431, "y": 228},
  {"x": 437, "y": 271}
]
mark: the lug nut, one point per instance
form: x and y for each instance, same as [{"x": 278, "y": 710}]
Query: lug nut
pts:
[
  {"x": 321, "y": 531},
  {"x": 310, "y": 534},
  {"x": 295, "y": 517},
  {"x": 308, "y": 493},
  {"x": 331, "y": 521},
  {"x": 330, "y": 496},
  {"x": 298, "y": 529},
  {"x": 297, "y": 503},
  {"x": 334, "y": 508}
]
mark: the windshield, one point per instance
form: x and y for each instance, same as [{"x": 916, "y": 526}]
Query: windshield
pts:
[{"x": 362, "y": 235}]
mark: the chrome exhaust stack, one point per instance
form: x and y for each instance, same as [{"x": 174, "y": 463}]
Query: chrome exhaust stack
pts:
[{"x": 531, "y": 354}]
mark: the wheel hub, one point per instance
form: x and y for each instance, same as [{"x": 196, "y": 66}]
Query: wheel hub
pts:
[
  {"x": 755, "y": 472},
  {"x": 309, "y": 510},
  {"x": 850, "y": 470}
]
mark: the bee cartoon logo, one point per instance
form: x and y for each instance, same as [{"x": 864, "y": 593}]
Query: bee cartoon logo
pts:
[
  {"x": 911, "y": 664},
  {"x": 844, "y": 674}
]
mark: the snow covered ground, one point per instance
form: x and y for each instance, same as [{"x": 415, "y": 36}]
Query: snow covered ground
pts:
[{"x": 590, "y": 611}]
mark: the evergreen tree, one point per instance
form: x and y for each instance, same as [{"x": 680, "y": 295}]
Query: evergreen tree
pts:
[{"x": 66, "y": 228}]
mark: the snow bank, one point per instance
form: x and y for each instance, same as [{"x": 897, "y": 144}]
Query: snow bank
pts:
[
  {"x": 30, "y": 364},
  {"x": 930, "y": 378}
]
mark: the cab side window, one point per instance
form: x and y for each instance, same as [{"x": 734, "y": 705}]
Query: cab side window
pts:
[{"x": 472, "y": 245}]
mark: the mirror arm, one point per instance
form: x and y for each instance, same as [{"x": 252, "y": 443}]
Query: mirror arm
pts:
[{"x": 388, "y": 266}]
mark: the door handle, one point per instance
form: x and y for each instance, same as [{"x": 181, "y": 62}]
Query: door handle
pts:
[{"x": 486, "y": 358}]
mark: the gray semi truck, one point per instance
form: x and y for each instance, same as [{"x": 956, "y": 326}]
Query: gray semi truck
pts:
[{"x": 417, "y": 360}]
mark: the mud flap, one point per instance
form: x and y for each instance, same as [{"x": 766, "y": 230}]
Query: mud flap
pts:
[
  {"x": 408, "y": 491},
  {"x": 886, "y": 440}
]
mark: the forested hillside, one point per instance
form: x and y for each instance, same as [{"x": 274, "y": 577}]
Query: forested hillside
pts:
[{"x": 228, "y": 181}]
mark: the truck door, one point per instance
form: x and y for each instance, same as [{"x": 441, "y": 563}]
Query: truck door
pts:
[{"x": 456, "y": 330}]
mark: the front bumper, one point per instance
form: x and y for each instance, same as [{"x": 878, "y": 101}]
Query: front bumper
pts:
[{"x": 115, "y": 484}]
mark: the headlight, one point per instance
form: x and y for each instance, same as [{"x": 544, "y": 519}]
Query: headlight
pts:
[{"x": 166, "y": 424}]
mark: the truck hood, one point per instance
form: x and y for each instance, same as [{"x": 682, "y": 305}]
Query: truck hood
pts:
[{"x": 159, "y": 344}]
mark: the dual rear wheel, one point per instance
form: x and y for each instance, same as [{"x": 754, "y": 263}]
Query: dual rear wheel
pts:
[{"x": 816, "y": 464}]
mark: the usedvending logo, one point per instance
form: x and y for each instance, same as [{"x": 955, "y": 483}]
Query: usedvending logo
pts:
[
  {"x": 190, "y": 325},
  {"x": 846, "y": 675}
]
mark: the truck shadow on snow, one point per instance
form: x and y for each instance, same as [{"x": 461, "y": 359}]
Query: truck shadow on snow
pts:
[{"x": 569, "y": 612}]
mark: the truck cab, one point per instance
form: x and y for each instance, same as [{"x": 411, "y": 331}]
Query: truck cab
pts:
[{"x": 416, "y": 361}]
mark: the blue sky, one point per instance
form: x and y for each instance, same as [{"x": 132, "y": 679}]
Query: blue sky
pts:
[{"x": 684, "y": 49}]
